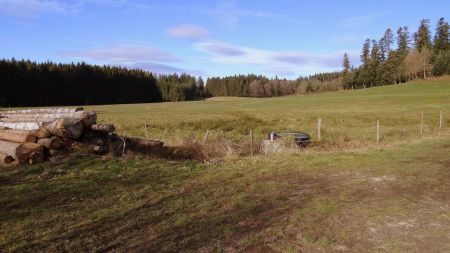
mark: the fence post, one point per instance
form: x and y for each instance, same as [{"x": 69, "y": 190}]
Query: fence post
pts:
[
  {"x": 251, "y": 142},
  {"x": 146, "y": 133},
  {"x": 421, "y": 123},
  {"x": 378, "y": 131},
  {"x": 164, "y": 134},
  {"x": 319, "y": 125},
  {"x": 440, "y": 120},
  {"x": 205, "y": 138}
]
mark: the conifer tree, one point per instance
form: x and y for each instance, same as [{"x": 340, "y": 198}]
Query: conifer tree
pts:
[
  {"x": 422, "y": 37},
  {"x": 441, "y": 37}
]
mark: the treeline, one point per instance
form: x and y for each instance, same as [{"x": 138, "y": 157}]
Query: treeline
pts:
[
  {"x": 415, "y": 57},
  {"x": 26, "y": 83},
  {"x": 182, "y": 87},
  {"x": 260, "y": 86}
]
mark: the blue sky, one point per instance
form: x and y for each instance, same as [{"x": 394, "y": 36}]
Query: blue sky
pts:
[{"x": 208, "y": 38}]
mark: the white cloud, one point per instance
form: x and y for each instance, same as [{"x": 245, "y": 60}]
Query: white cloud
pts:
[
  {"x": 227, "y": 13},
  {"x": 32, "y": 8},
  {"x": 278, "y": 62},
  {"x": 159, "y": 68},
  {"x": 188, "y": 31},
  {"x": 123, "y": 53}
]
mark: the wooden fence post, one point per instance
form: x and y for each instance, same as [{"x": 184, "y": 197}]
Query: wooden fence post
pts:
[
  {"x": 319, "y": 125},
  {"x": 378, "y": 131},
  {"x": 146, "y": 133},
  {"x": 421, "y": 123},
  {"x": 251, "y": 142},
  {"x": 440, "y": 120},
  {"x": 205, "y": 138},
  {"x": 164, "y": 134}
]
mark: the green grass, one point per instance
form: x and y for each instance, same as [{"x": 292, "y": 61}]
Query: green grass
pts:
[
  {"x": 348, "y": 116},
  {"x": 385, "y": 198}
]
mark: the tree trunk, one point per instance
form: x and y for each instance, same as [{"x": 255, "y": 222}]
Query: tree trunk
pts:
[
  {"x": 51, "y": 143},
  {"x": 5, "y": 159},
  {"x": 23, "y": 152},
  {"x": 42, "y": 132},
  {"x": 103, "y": 128},
  {"x": 88, "y": 118},
  {"x": 17, "y": 135},
  {"x": 43, "y": 110},
  {"x": 65, "y": 128},
  {"x": 21, "y": 125}
]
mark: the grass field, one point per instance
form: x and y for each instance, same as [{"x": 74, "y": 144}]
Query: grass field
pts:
[
  {"x": 349, "y": 117},
  {"x": 354, "y": 197}
]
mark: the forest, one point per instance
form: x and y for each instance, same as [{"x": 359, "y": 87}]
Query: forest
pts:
[
  {"x": 415, "y": 56},
  {"x": 26, "y": 83}
]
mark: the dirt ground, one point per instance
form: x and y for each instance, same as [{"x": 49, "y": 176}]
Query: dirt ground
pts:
[{"x": 381, "y": 200}]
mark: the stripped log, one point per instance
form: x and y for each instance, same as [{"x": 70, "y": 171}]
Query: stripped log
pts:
[
  {"x": 88, "y": 118},
  {"x": 6, "y": 159},
  {"x": 17, "y": 135},
  {"x": 23, "y": 152},
  {"x": 42, "y": 133},
  {"x": 43, "y": 110},
  {"x": 103, "y": 128},
  {"x": 21, "y": 125},
  {"x": 53, "y": 142},
  {"x": 66, "y": 128}
]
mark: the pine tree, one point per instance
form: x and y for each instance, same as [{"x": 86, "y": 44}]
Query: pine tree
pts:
[
  {"x": 346, "y": 70},
  {"x": 422, "y": 36},
  {"x": 385, "y": 44},
  {"x": 441, "y": 37},
  {"x": 365, "y": 52},
  {"x": 374, "y": 63},
  {"x": 403, "y": 40}
]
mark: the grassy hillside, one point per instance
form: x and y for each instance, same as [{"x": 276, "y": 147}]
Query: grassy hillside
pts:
[
  {"x": 348, "y": 116},
  {"x": 385, "y": 198}
]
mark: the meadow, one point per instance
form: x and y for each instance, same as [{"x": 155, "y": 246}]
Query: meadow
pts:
[
  {"x": 348, "y": 117},
  {"x": 343, "y": 194}
]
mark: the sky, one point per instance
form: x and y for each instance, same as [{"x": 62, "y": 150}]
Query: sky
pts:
[{"x": 284, "y": 38}]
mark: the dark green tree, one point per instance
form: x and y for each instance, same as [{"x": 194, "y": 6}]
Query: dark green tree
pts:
[
  {"x": 422, "y": 37},
  {"x": 441, "y": 37}
]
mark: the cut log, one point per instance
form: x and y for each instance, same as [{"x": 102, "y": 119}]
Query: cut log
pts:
[
  {"x": 87, "y": 117},
  {"x": 23, "y": 152},
  {"x": 17, "y": 135},
  {"x": 51, "y": 143},
  {"x": 36, "y": 157},
  {"x": 43, "y": 110},
  {"x": 103, "y": 128},
  {"x": 42, "y": 133},
  {"x": 21, "y": 125},
  {"x": 5, "y": 159},
  {"x": 66, "y": 128}
]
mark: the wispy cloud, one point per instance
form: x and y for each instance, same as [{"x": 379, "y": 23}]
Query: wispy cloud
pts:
[
  {"x": 220, "y": 48},
  {"x": 362, "y": 20},
  {"x": 159, "y": 68},
  {"x": 123, "y": 53},
  {"x": 189, "y": 31},
  {"x": 279, "y": 62},
  {"x": 33, "y": 8},
  {"x": 26, "y": 9},
  {"x": 228, "y": 14}
]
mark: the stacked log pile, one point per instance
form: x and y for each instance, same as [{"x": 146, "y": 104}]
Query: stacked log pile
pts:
[{"x": 31, "y": 136}]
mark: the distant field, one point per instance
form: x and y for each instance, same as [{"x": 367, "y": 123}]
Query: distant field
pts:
[
  {"x": 349, "y": 196},
  {"x": 349, "y": 117}
]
